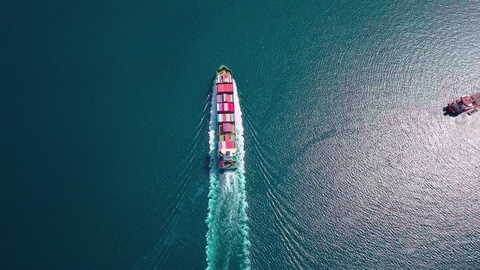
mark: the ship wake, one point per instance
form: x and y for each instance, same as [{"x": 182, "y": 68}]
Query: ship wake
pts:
[{"x": 227, "y": 236}]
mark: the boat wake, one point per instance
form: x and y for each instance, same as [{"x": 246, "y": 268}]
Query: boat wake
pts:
[{"x": 227, "y": 236}]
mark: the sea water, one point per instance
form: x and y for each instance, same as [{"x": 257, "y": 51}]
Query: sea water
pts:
[{"x": 350, "y": 162}]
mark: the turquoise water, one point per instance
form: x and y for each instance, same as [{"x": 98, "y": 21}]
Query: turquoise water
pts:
[{"x": 349, "y": 161}]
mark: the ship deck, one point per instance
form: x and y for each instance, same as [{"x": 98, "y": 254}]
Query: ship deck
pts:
[{"x": 475, "y": 99}]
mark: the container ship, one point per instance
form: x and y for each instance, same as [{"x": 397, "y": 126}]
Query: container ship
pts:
[
  {"x": 225, "y": 109},
  {"x": 468, "y": 104}
]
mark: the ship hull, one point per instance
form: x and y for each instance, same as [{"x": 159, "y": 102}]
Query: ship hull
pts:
[
  {"x": 464, "y": 104},
  {"x": 225, "y": 107}
]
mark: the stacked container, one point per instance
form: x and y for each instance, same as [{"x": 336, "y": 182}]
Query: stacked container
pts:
[
  {"x": 225, "y": 117},
  {"x": 225, "y": 88},
  {"x": 224, "y": 79},
  {"x": 226, "y": 98},
  {"x": 227, "y": 128},
  {"x": 225, "y": 107},
  {"x": 226, "y": 145},
  {"x": 225, "y": 114}
]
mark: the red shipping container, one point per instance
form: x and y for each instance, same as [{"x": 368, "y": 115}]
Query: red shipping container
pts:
[
  {"x": 225, "y": 107},
  {"x": 225, "y": 88},
  {"x": 230, "y": 145},
  {"x": 227, "y": 128},
  {"x": 227, "y": 98}
]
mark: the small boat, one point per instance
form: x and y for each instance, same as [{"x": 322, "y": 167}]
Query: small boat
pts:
[{"x": 464, "y": 104}]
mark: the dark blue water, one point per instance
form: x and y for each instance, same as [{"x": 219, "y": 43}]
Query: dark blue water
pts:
[{"x": 349, "y": 161}]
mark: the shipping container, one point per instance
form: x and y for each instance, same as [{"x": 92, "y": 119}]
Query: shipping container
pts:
[
  {"x": 225, "y": 107},
  {"x": 225, "y": 117},
  {"x": 226, "y": 98},
  {"x": 227, "y": 128},
  {"x": 225, "y": 88},
  {"x": 226, "y": 78},
  {"x": 230, "y": 145},
  {"x": 231, "y": 136},
  {"x": 226, "y": 145}
]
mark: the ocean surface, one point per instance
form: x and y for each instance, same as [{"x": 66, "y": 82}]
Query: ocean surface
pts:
[{"x": 349, "y": 161}]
